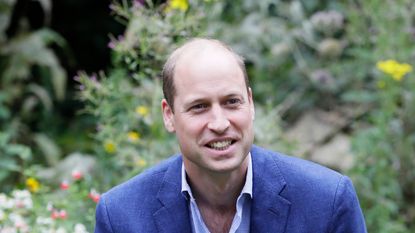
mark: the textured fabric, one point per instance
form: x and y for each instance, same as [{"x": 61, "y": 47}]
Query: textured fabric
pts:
[
  {"x": 241, "y": 220},
  {"x": 289, "y": 195}
]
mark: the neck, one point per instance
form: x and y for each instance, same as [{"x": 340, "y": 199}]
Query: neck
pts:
[{"x": 219, "y": 190}]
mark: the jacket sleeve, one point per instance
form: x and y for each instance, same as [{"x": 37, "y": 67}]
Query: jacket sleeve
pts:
[
  {"x": 102, "y": 221},
  {"x": 347, "y": 215}
]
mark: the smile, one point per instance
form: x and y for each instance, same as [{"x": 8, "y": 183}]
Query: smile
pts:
[{"x": 220, "y": 145}]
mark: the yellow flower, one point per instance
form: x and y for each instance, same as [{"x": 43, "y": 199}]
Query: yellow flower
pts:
[
  {"x": 393, "y": 68},
  {"x": 381, "y": 84},
  {"x": 133, "y": 136},
  {"x": 182, "y": 5},
  {"x": 110, "y": 147},
  {"x": 32, "y": 184},
  {"x": 141, "y": 162},
  {"x": 142, "y": 110}
]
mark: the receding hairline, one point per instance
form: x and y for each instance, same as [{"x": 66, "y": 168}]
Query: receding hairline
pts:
[
  {"x": 195, "y": 46},
  {"x": 199, "y": 45}
]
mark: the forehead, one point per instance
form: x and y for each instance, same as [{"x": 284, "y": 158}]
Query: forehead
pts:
[{"x": 210, "y": 68}]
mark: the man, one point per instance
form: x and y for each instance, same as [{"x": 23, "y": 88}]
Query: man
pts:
[{"x": 221, "y": 182}]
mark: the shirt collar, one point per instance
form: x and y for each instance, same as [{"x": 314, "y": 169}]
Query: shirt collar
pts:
[{"x": 247, "y": 189}]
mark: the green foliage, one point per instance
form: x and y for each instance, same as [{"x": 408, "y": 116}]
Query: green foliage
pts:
[
  {"x": 294, "y": 47},
  {"x": 299, "y": 55},
  {"x": 32, "y": 79},
  {"x": 125, "y": 103},
  {"x": 13, "y": 156},
  {"x": 384, "y": 172},
  {"x": 69, "y": 208}
]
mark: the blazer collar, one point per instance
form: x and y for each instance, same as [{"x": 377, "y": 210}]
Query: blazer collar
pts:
[
  {"x": 173, "y": 216},
  {"x": 270, "y": 210}
]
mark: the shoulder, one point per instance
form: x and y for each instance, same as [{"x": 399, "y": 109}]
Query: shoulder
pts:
[
  {"x": 320, "y": 199},
  {"x": 129, "y": 206},
  {"x": 147, "y": 182},
  {"x": 294, "y": 170}
]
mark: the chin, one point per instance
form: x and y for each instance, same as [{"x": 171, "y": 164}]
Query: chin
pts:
[{"x": 226, "y": 166}]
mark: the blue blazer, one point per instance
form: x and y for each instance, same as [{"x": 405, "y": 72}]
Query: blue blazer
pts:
[{"x": 289, "y": 195}]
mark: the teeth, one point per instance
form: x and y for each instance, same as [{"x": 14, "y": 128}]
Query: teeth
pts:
[{"x": 221, "y": 145}]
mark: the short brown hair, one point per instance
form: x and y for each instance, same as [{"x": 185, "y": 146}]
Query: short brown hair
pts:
[{"x": 167, "y": 74}]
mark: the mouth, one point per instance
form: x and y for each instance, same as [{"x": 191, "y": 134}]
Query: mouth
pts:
[{"x": 220, "y": 145}]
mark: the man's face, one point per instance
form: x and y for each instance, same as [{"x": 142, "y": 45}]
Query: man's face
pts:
[{"x": 213, "y": 112}]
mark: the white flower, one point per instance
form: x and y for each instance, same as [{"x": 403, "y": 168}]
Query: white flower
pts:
[
  {"x": 19, "y": 222},
  {"x": 22, "y": 199},
  {"x": 15, "y": 218},
  {"x": 2, "y": 215},
  {"x": 44, "y": 221},
  {"x": 49, "y": 206},
  {"x": 80, "y": 228},
  {"x": 60, "y": 230},
  {"x": 8, "y": 229},
  {"x": 5, "y": 202},
  {"x": 21, "y": 194}
]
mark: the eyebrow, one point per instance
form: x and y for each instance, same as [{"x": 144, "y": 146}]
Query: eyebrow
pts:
[
  {"x": 199, "y": 100},
  {"x": 195, "y": 101}
]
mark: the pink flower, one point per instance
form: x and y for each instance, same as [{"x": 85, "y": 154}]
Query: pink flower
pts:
[
  {"x": 54, "y": 214},
  {"x": 63, "y": 214},
  {"x": 64, "y": 185},
  {"x": 94, "y": 196},
  {"x": 77, "y": 175}
]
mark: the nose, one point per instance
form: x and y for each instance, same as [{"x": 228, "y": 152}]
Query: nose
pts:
[{"x": 219, "y": 122}]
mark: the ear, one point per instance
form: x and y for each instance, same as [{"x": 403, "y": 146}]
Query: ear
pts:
[
  {"x": 167, "y": 116},
  {"x": 251, "y": 102}
]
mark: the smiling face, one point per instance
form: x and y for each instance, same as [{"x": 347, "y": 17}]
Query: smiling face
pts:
[{"x": 213, "y": 111}]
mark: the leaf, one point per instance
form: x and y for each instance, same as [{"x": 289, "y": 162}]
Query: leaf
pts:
[
  {"x": 48, "y": 147},
  {"x": 6, "y": 8},
  {"x": 4, "y": 138},
  {"x": 48, "y": 36},
  {"x": 47, "y": 8},
  {"x": 59, "y": 82},
  {"x": 10, "y": 165},
  {"x": 42, "y": 94},
  {"x": 29, "y": 104},
  {"x": 23, "y": 152},
  {"x": 359, "y": 96}
]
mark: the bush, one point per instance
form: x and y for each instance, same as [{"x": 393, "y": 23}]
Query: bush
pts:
[
  {"x": 384, "y": 140},
  {"x": 299, "y": 55}
]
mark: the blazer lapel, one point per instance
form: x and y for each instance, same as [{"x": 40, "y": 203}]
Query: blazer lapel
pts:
[
  {"x": 173, "y": 216},
  {"x": 270, "y": 211}
]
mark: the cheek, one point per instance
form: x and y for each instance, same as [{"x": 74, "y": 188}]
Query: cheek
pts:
[
  {"x": 190, "y": 126},
  {"x": 243, "y": 120}
]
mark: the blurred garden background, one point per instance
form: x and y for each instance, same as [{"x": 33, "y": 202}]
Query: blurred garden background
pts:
[{"x": 80, "y": 93}]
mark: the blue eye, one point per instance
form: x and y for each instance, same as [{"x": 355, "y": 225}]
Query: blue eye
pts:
[
  {"x": 198, "y": 107},
  {"x": 233, "y": 101}
]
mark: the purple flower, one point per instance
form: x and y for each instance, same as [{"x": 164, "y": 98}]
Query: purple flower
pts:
[
  {"x": 111, "y": 44},
  {"x": 138, "y": 3},
  {"x": 77, "y": 78},
  {"x": 93, "y": 78}
]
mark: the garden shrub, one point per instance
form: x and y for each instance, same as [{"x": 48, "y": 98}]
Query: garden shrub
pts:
[
  {"x": 299, "y": 54},
  {"x": 32, "y": 82},
  {"x": 384, "y": 140}
]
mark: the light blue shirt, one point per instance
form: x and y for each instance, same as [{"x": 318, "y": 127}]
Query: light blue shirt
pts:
[{"x": 241, "y": 220}]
